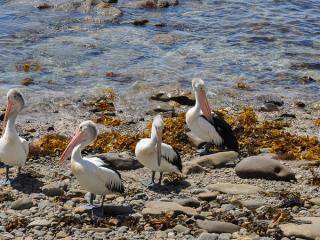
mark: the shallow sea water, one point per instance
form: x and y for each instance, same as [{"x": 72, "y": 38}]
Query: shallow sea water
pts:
[{"x": 269, "y": 45}]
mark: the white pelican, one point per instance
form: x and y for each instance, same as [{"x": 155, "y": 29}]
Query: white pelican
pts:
[
  {"x": 93, "y": 174},
  {"x": 207, "y": 126},
  {"x": 13, "y": 149},
  {"x": 155, "y": 155}
]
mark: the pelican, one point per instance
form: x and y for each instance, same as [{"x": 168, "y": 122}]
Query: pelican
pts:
[
  {"x": 155, "y": 155},
  {"x": 13, "y": 149},
  {"x": 207, "y": 126},
  {"x": 93, "y": 174}
]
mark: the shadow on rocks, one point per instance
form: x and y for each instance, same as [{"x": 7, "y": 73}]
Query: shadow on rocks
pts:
[
  {"x": 26, "y": 183},
  {"x": 112, "y": 210},
  {"x": 175, "y": 187}
]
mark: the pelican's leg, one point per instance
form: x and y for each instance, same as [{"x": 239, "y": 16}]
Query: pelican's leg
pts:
[
  {"x": 7, "y": 180},
  {"x": 89, "y": 205},
  {"x": 160, "y": 178},
  {"x": 150, "y": 183},
  {"x": 206, "y": 149},
  {"x": 19, "y": 170},
  {"x": 99, "y": 211}
]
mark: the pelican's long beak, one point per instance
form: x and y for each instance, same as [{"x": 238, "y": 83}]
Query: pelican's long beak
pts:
[
  {"x": 8, "y": 111},
  {"x": 78, "y": 138},
  {"x": 204, "y": 105},
  {"x": 159, "y": 142}
]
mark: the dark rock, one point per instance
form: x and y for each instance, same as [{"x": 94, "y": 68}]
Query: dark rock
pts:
[
  {"x": 140, "y": 22},
  {"x": 300, "y": 104},
  {"x": 121, "y": 161},
  {"x": 183, "y": 99},
  {"x": 288, "y": 115},
  {"x": 43, "y": 6},
  {"x": 22, "y": 203},
  {"x": 188, "y": 202},
  {"x": 262, "y": 167},
  {"x": 217, "y": 227},
  {"x": 271, "y": 99},
  {"x": 158, "y": 3}
]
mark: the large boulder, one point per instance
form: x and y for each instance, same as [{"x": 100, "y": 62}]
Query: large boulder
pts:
[
  {"x": 216, "y": 160},
  {"x": 309, "y": 230},
  {"x": 263, "y": 167}
]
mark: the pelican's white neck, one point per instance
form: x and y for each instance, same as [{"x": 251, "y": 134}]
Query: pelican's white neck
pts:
[
  {"x": 153, "y": 137},
  {"x": 76, "y": 152},
  {"x": 10, "y": 129}
]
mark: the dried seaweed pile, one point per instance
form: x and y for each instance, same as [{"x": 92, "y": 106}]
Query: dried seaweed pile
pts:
[
  {"x": 272, "y": 134},
  {"x": 52, "y": 144}
]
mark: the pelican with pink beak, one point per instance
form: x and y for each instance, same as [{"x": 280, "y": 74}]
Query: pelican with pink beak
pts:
[
  {"x": 93, "y": 174},
  {"x": 13, "y": 149},
  {"x": 206, "y": 125},
  {"x": 156, "y": 155}
]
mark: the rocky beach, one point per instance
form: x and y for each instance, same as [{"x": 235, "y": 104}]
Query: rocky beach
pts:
[
  {"x": 219, "y": 196},
  {"x": 120, "y": 63}
]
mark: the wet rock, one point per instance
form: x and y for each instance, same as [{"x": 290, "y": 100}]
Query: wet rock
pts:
[
  {"x": 208, "y": 236},
  {"x": 269, "y": 98},
  {"x": 39, "y": 222},
  {"x": 233, "y": 188},
  {"x": 262, "y": 167},
  {"x": 43, "y": 6},
  {"x": 121, "y": 161},
  {"x": 300, "y": 104},
  {"x": 111, "y": 13},
  {"x": 163, "y": 207},
  {"x": 22, "y": 203},
  {"x": 194, "y": 140},
  {"x": 208, "y": 196},
  {"x": 309, "y": 230},
  {"x": 140, "y": 22},
  {"x": 181, "y": 229},
  {"x": 216, "y": 160},
  {"x": 179, "y": 97},
  {"x": 158, "y": 3},
  {"x": 164, "y": 38},
  {"x": 53, "y": 189},
  {"x": 190, "y": 168},
  {"x": 269, "y": 107},
  {"x": 188, "y": 202},
  {"x": 217, "y": 227},
  {"x": 26, "y": 81}
]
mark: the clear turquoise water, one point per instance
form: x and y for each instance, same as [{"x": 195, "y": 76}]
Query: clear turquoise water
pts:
[{"x": 258, "y": 42}]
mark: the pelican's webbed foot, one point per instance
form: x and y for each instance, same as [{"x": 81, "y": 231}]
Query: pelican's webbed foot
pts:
[
  {"x": 148, "y": 183},
  {"x": 6, "y": 182},
  {"x": 205, "y": 150}
]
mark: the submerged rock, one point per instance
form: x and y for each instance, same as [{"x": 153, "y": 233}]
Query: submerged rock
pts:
[
  {"x": 165, "y": 38},
  {"x": 263, "y": 167},
  {"x": 158, "y": 3}
]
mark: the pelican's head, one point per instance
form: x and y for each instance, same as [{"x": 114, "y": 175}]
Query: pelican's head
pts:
[
  {"x": 201, "y": 97},
  {"x": 86, "y": 134},
  {"x": 15, "y": 103},
  {"x": 158, "y": 126},
  {"x": 197, "y": 84}
]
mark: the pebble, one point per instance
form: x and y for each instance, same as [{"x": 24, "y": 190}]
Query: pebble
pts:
[
  {"x": 181, "y": 229},
  {"x": 53, "y": 190},
  {"x": 188, "y": 202},
  {"x": 22, "y": 203},
  {"x": 208, "y": 236},
  {"x": 39, "y": 222}
]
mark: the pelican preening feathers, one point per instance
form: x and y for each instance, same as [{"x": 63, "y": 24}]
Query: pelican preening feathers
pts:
[
  {"x": 207, "y": 126},
  {"x": 13, "y": 149},
  {"x": 155, "y": 155},
  {"x": 93, "y": 174}
]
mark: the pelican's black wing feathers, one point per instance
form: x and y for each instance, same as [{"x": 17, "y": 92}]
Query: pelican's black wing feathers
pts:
[
  {"x": 176, "y": 161},
  {"x": 225, "y": 131}
]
